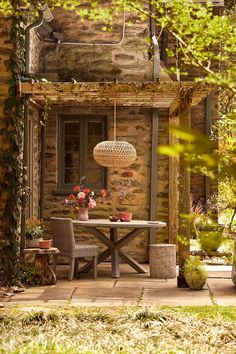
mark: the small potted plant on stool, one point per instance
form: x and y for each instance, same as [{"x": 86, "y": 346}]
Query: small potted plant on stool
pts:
[{"x": 34, "y": 232}]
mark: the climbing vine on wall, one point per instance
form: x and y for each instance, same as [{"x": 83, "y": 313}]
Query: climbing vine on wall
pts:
[{"x": 13, "y": 175}]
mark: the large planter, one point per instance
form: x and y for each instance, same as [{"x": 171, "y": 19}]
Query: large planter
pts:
[
  {"x": 33, "y": 243},
  {"x": 194, "y": 273},
  {"x": 196, "y": 279},
  {"x": 209, "y": 236},
  {"x": 233, "y": 273}
]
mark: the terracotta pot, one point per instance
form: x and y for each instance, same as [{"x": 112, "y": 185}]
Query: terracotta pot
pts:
[
  {"x": 45, "y": 243},
  {"x": 125, "y": 215}
]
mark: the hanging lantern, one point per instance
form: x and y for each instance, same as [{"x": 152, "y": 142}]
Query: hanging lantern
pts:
[{"x": 114, "y": 153}]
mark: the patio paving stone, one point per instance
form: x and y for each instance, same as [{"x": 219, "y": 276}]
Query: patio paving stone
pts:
[
  {"x": 17, "y": 301},
  {"x": 48, "y": 294},
  {"x": 130, "y": 289},
  {"x": 88, "y": 283},
  {"x": 112, "y": 293},
  {"x": 176, "y": 297},
  {"x": 140, "y": 284},
  {"x": 224, "y": 291},
  {"x": 103, "y": 302}
]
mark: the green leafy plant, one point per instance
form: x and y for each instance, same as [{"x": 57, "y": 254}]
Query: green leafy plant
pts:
[
  {"x": 26, "y": 274},
  {"x": 13, "y": 175},
  {"x": 194, "y": 273},
  {"x": 34, "y": 228},
  {"x": 203, "y": 219}
]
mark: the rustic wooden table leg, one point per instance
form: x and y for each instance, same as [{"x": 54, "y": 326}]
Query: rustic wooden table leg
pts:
[
  {"x": 114, "y": 254},
  {"x": 47, "y": 276}
]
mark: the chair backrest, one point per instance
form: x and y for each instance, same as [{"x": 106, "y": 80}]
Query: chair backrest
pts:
[{"x": 63, "y": 234}]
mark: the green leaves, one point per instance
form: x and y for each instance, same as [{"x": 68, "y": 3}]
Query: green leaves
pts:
[{"x": 198, "y": 150}]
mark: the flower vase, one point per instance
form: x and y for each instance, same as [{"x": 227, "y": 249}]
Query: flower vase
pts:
[{"x": 83, "y": 214}]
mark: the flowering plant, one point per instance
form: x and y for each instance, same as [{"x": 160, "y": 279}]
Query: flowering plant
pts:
[
  {"x": 85, "y": 197},
  {"x": 204, "y": 213},
  {"x": 34, "y": 228}
]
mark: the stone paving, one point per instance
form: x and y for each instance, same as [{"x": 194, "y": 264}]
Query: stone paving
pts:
[{"x": 130, "y": 289}]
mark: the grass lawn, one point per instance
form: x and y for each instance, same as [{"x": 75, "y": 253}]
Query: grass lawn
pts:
[{"x": 208, "y": 329}]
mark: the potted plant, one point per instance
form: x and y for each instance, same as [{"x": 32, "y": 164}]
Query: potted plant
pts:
[
  {"x": 194, "y": 273},
  {"x": 208, "y": 231},
  {"x": 34, "y": 232}
]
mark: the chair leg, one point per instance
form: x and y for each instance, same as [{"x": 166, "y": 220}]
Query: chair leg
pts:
[
  {"x": 95, "y": 270},
  {"x": 76, "y": 268},
  {"x": 71, "y": 269}
]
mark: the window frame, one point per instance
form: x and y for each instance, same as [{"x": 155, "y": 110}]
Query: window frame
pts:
[{"x": 84, "y": 119}]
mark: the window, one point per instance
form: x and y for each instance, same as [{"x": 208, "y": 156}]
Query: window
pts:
[{"x": 78, "y": 135}]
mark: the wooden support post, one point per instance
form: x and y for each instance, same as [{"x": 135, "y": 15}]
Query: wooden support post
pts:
[
  {"x": 153, "y": 200},
  {"x": 173, "y": 185},
  {"x": 184, "y": 189}
]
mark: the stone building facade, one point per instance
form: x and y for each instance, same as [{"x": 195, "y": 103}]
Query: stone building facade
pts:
[{"x": 132, "y": 60}]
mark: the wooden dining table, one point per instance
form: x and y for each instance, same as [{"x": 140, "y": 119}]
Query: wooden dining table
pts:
[{"x": 114, "y": 243}]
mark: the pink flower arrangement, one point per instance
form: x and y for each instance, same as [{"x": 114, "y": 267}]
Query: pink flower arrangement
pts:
[{"x": 85, "y": 197}]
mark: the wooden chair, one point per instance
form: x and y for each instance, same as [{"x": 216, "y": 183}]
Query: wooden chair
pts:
[{"x": 64, "y": 240}]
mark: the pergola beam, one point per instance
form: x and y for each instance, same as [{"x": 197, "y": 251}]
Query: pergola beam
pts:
[{"x": 139, "y": 94}]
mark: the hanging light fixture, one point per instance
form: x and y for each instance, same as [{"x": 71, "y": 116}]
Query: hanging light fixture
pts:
[{"x": 114, "y": 153}]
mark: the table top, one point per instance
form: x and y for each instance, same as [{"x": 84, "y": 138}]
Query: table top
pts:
[
  {"x": 37, "y": 250},
  {"x": 116, "y": 224}
]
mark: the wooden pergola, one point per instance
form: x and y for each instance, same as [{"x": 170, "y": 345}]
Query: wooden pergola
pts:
[
  {"x": 175, "y": 96},
  {"x": 138, "y": 94}
]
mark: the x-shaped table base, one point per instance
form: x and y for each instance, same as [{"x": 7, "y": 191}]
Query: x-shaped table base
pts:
[{"x": 114, "y": 250}]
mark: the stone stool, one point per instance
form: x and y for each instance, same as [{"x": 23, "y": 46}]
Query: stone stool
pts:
[
  {"x": 162, "y": 261},
  {"x": 45, "y": 273}
]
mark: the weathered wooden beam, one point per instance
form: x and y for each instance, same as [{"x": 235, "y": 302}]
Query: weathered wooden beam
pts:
[
  {"x": 153, "y": 199},
  {"x": 174, "y": 106},
  {"x": 147, "y": 94},
  {"x": 186, "y": 95},
  {"x": 173, "y": 186}
]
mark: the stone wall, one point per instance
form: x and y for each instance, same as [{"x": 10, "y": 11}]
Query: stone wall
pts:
[{"x": 126, "y": 62}]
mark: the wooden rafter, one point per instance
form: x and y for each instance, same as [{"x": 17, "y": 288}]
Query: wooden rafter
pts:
[{"x": 140, "y": 94}]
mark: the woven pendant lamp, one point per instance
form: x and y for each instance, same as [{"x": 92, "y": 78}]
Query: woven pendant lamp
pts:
[{"x": 114, "y": 153}]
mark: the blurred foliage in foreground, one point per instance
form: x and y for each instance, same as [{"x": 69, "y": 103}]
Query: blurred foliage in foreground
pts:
[{"x": 202, "y": 329}]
